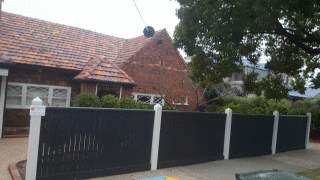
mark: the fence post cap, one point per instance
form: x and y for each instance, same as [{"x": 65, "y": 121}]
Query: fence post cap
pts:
[
  {"x": 37, "y": 108},
  {"x": 275, "y": 113},
  {"x": 228, "y": 110},
  {"x": 37, "y": 101},
  {"x": 157, "y": 107},
  {"x": 308, "y": 113}
]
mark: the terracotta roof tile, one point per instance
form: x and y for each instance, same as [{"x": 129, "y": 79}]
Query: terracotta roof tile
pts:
[
  {"x": 101, "y": 69},
  {"x": 31, "y": 41}
]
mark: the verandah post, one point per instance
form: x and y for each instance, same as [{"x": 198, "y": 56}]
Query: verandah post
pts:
[
  {"x": 227, "y": 134},
  {"x": 37, "y": 110},
  {"x": 309, "y": 115},
  {"x": 156, "y": 136},
  {"x": 275, "y": 132}
]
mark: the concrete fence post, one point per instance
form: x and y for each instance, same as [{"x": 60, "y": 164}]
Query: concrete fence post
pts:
[
  {"x": 227, "y": 134},
  {"x": 156, "y": 136},
  {"x": 308, "y": 130},
  {"x": 275, "y": 132},
  {"x": 37, "y": 110}
]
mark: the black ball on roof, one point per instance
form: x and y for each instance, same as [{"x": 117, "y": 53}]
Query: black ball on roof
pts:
[{"x": 148, "y": 31}]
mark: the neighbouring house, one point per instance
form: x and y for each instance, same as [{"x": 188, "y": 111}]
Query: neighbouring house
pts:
[
  {"x": 56, "y": 62},
  {"x": 236, "y": 80},
  {"x": 309, "y": 93}
]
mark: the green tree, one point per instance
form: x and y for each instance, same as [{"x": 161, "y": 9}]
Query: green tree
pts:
[
  {"x": 273, "y": 88},
  {"x": 219, "y": 34},
  {"x": 251, "y": 84}
]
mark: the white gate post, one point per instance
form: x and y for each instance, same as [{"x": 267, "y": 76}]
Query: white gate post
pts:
[
  {"x": 308, "y": 130},
  {"x": 227, "y": 134},
  {"x": 37, "y": 110},
  {"x": 275, "y": 132},
  {"x": 2, "y": 99},
  {"x": 156, "y": 136}
]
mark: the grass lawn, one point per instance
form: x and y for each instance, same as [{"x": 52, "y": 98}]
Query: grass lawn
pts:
[{"x": 312, "y": 173}]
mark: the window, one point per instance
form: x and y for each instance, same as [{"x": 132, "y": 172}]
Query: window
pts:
[
  {"x": 182, "y": 100},
  {"x": 59, "y": 97},
  {"x": 14, "y": 94},
  {"x": 148, "y": 98},
  {"x": 237, "y": 77},
  {"x": 20, "y": 95},
  {"x": 41, "y": 92}
]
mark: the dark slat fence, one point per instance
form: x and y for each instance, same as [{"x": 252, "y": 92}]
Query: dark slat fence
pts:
[
  {"x": 291, "y": 133},
  {"x": 77, "y": 143},
  {"x": 251, "y": 135},
  {"x": 82, "y": 142},
  {"x": 190, "y": 137}
]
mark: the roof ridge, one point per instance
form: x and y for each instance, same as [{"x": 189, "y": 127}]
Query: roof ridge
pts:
[
  {"x": 96, "y": 64},
  {"x": 147, "y": 41},
  {"x": 118, "y": 68}
]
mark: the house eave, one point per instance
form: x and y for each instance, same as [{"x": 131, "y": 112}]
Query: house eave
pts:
[{"x": 105, "y": 82}]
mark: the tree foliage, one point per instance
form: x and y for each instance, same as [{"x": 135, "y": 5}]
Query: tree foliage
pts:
[
  {"x": 250, "y": 84},
  {"x": 219, "y": 34},
  {"x": 273, "y": 88}
]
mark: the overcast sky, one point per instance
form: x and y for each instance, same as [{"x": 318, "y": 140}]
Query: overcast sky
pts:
[{"x": 113, "y": 17}]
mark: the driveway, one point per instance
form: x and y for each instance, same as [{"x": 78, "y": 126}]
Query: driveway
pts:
[
  {"x": 11, "y": 150},
  {"x": 293, "y": 161}
]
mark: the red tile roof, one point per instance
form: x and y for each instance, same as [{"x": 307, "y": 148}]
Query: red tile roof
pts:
[
  {"x": 100, "y": 69},
  {"x": 25, "y": 40}
]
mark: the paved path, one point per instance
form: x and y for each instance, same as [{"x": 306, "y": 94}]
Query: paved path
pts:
[
  {"x": 11, "y": 150},
  {"x": 293, "y": 161},
  {"x": 14, "y": 150}
]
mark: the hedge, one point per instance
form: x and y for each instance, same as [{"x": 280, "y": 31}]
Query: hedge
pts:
[
  {"x": 260, "y": 105},
  {"x": 110, "y": 101}
]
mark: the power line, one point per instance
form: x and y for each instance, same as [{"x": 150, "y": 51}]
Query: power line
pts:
[{"x": 135, "y": 4}]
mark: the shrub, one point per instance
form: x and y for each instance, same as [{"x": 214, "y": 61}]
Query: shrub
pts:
[
  {"x": 250, "y": 105},
  {"x": 128, "y": 103},
  {"x": 110, "y": 101},
  {"x": 167, "y": 107},
  {"x": 283, "y": 106},
  {"x": 86, "y": 100},
  {"x": 260, "y": 105}
]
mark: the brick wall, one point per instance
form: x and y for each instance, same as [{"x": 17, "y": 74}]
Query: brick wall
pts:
[
  {"x": 45, "y": 77},
  {"x": 19, "y": 118},
  {"x": 159, "y": 69}
]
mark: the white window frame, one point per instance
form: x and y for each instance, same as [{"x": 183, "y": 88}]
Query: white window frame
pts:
[
  {"x": 135, "y": 96},
  {"x": 186, "y": 102},
  {"x": 50, "y": 94}
]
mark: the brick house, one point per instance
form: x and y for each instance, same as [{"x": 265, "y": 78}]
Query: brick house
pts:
[{"x": 57, "y": 62}]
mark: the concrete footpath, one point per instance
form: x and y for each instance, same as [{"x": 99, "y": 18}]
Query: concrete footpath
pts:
[
  {"x": 294, "y": 161},
  {"x": 15, "y": 149},
  {"x": 12, "y": 150}
]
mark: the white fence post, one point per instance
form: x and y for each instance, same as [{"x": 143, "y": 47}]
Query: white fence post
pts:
[
  {"x": 227, "y": 134},
  {"x": 308, "y": 130},
  {"x": 37, "y": 110},
  {"x": 275, "y": 132},
  {"x": 156, "y": 136}
]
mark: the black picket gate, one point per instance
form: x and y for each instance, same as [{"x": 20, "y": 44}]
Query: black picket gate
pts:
[
  {"x": 82, "y": 142},
  {"x": 190, "y": 137},
  {"x": 251, "y": 135},
  {"x": 291, "y": 133}
]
